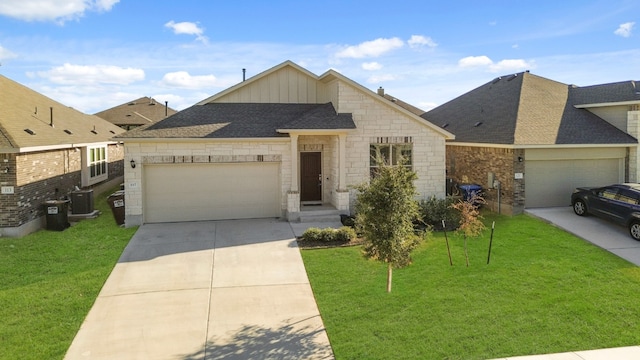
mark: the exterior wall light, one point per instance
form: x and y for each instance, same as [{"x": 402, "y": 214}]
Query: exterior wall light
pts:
[{"x": 133, "y": 164}]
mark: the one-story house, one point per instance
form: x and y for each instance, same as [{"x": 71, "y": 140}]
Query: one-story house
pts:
[
  {"x": 47, "y": 149},
  {"x": 529, "y": 141},
  {"x": 143, "y": 111},
  {"x": 273, "y": 146}
]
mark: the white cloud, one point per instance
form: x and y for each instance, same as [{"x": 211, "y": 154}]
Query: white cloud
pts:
[
  {"x": 52, "y": 10},
  {"x": 501, "y": 66},
  {"x": 419, "y": 41},
  {"x": 371, "y": 66},
  {"x": 426, "y": 105},
  {"x": 187, "y": 28},
  {"x": 372, "y": 48},
  {"x": 474, "y": 61},
  {"x": 510, "y": 65},
  {"x": 182, "y": 79},
  {"x": 6, "y": 54},
  {"x": 624, "y": 30},
  {"x": 69, "y": 74},
  {"x": 376, "y": 79}
]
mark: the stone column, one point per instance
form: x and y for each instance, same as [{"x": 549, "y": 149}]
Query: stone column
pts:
[
  {"x": 342, "y": 198},
  {"x": 293, "y": 195}
]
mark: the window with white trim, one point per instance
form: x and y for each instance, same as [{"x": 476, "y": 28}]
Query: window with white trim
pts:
[
  {"x": 97, "y": 163},
  {"x": 389, "y": 154}
]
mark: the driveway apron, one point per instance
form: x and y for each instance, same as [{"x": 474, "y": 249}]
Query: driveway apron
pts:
[{"x": 206, "y": 290}]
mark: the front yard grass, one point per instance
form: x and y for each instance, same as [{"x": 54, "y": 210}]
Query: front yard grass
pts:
[
  {"x": 545, "y": 291},
  {"x": 49, "y": 280}
]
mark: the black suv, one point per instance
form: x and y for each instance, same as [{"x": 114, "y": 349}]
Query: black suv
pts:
[{"x": 619, "y": 203}]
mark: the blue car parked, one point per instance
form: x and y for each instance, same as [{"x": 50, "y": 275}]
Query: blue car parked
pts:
[{"x": 619, "y": 203}]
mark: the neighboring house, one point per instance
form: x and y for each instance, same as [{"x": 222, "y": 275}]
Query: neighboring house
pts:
[
  {"x": 46, "y": 150},
  {"x": 136, "y": 113},
  {"x": 271, "y": 145},
  {"x": 537, "y": 139}
]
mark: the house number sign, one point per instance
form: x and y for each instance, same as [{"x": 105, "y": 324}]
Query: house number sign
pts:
[{"x": 7, "y": 190}]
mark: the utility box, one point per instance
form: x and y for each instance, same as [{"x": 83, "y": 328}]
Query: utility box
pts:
[
  {"x": 57, "y": 214},
  {"x": 82, "y": 201}
]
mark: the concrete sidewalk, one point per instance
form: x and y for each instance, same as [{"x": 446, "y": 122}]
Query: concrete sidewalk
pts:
[{"x": 206, "y": 290}]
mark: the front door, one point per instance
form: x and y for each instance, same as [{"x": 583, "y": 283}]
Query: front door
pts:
[{"x": 310, "y": 177}]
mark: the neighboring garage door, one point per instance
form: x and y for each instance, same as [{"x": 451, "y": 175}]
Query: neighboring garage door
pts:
[
  {"x": 551, "y": 182},
  {"x": 192, "y": 192}
]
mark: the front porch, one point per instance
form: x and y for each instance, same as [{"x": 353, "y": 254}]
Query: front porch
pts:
[{"x": 318, "y": 177}]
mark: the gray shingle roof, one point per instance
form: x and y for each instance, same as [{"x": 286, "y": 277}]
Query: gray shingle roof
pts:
[
  {"x": 524, "y": 109},
  {"x": 604, "y": 93},
  {"x": 243, "y": 120}
]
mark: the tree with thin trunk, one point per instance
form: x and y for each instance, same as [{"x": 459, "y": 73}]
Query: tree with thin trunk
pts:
[
  {"x": 385, "y": 211},
  {"x": 471, "y": 224}
]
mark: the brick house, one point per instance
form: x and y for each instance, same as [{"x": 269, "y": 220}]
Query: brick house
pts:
[
  {"x": 142, "y": 111},
  {"x": 274, "y": 145},
  {"x": 46, "y": 150},
  {"x": 529, "y": 141}
]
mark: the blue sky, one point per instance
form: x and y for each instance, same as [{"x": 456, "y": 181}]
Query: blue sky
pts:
[{"x": 96, "y": 54}]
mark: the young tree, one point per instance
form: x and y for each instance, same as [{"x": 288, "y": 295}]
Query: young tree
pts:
[
  {"x": 386, "y": 209},
  {"x": 471, "y": 224}
]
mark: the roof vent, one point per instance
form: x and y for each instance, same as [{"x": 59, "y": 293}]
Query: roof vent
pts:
[
  {"x": 68, "y": 131},
  {"x": 477, "y": 124},
  {"x": 29, "y": 131},
  {"x": 94, "y": 130},
  {"x": 111, "y": 131},
  {"x": 444, "y": 126},
  {"x": 512, "y": 77},
  {"x": 131, "y": 103},
  {"x": 496, "y": 80}
]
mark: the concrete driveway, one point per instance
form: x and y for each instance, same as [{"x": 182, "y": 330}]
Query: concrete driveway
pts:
[
  {"x": 609, "y": 236},
  {"x": 206, "y": 290}
]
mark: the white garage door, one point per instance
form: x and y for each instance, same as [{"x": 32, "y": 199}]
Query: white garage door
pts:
[
  {"x": 551, "y": 182},
  {"x": 193, "y": 192}
]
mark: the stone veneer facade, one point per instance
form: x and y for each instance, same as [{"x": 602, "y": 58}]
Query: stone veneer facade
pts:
[{"x": 375, "y": 122}]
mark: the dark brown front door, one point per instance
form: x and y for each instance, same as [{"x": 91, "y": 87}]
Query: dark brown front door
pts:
[{"x": 310, "y": 176}]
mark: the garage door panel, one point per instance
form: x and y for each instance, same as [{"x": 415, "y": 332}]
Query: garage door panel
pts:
[
  {"x": 550, "y": 183},
  {"x": 192, "y": 192}
]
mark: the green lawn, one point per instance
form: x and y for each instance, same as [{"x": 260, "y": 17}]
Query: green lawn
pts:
[
  {"x": 49, "y": 280},
  {"x": 545, "y": 291}
]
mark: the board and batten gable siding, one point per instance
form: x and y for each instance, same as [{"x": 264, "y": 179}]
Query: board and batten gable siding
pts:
[
  {"x": 285, "y": 86},
  {"x": 614, "y": 115},
  {"x": 373, "y": 119},
  {"x": 139, "y": 150}
]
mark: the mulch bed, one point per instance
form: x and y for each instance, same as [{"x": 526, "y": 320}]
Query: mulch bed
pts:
[{"x": 304, "y": 244}]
